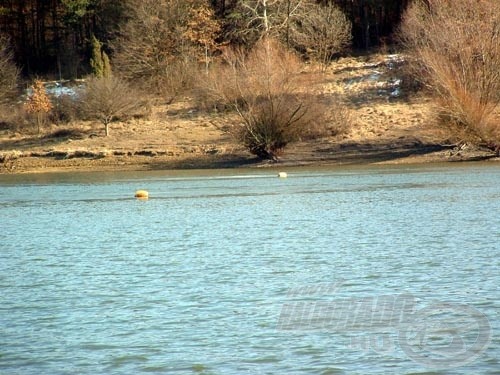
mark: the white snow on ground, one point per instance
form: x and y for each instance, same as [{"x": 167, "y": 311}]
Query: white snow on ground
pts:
[
  {"x": 61, "y": 88},
  {"x": 378, "y": 75}
]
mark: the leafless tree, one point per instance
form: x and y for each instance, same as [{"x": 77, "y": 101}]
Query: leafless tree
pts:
[
  {"x": 109, "y": 98},
  {"x": 264, "y": 19},
  {"x": 9, "y": 73},
  {"x": 320, "y": 31},
  {"x": 159, "y": 47}
]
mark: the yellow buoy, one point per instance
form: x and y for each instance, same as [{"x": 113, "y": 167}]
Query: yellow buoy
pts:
[
  {"x": 141, "y": 194},
  {"x": 282, "y": 175}
]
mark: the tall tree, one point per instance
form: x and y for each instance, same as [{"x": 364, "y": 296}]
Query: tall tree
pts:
[
  {"x": 156, "y": 47},
  {"x": 8, "y": 71},
  {"x": 53, "y": 36}
]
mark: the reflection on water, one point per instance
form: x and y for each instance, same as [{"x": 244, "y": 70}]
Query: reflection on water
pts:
[{"x": 195, "y": 279}]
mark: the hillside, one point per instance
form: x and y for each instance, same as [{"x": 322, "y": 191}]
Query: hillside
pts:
[{"x": 388, "y": 124}]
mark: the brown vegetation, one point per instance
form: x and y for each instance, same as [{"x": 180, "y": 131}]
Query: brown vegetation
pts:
[
  {"x": 155, "y": 50},
  {"x": 38, "y": 103},
  {"x": 457, "y": 48},
  {"x": 320, "y": 32},
  {"x": 109, "y": 98},
  {"x": 264, "y": 88},
  {"x": 250, "y": 61}
]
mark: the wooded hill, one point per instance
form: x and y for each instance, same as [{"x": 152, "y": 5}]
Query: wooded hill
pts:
[{"x": 53, "y": 37}]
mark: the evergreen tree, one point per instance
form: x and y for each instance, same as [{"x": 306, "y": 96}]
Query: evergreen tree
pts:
[{"x": 99, "y": 62}]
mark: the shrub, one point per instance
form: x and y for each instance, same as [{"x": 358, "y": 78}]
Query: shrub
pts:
[
  {"x": 263, "y": 87},
  {"x": 457, "y": 49},
  {"x": 13, "y": 117},
  {"x": 107, "y": 99},
  {"x": 65, "y": 109},
  {"x": 321, "y": 32}
]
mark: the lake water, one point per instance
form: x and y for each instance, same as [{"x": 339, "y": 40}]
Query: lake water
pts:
[{"x": 240, "y": 272}]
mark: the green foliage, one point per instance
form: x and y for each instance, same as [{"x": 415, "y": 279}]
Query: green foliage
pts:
[
  {"x": 75, "y": 10},
  {"x": 99, "y": 61}
]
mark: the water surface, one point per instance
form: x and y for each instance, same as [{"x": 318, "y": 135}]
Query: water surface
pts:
[{"x": 194, "y": 280}]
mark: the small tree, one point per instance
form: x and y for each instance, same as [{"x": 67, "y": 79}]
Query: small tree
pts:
[
  {"x": 38, "y": 103},
  {"x": 321, "y": 32},
  {"x": 202, "y": 29},
  {"x": 9, "y": 73},
  {"x": 109, "y": 98},
  {"x": 99, "y": 61}
]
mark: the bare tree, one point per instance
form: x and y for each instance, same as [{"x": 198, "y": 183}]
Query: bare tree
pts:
[
  {"x": 109, "y": 98},
  {"x": 257, "y": 19},
  {"x": 155, "y": 47},
  {"x": 457, "y": 47},
  {"x": 320, "y": 31},
  {"x": 9, "y": 73}
]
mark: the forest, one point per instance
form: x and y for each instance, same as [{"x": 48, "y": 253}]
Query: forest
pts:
[{"x": 53, "y": 37}]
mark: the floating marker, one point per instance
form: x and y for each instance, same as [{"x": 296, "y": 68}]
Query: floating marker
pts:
[
  {"x": 282, "y": 175},
  {"x": 141, "y": 194}
]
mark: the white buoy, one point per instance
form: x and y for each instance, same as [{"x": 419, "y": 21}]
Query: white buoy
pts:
[
  {"x": 282, "y": 175},
  {"x": 141, "y": 194}
]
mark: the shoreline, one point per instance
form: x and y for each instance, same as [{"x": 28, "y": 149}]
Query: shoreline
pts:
[
  {"x": 301, "y": 155},
  {"x": 369, "y": 124}
]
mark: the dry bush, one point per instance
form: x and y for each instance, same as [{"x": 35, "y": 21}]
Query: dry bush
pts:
[
  {"x": 9, "y": 73},
  {"x": 457, "y": 47},
  {"x": 320, "y": 32},
  {"x": 65, "y": 109},
  {"x": 264, "y": 87},
  {"x": 13, "y": 117},
  {"x": 107, "y": 99},
  {"x": 340, "y": 119}
]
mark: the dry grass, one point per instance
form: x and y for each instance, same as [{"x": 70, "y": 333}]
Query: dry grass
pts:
[{"x": 14, "y": 118}]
